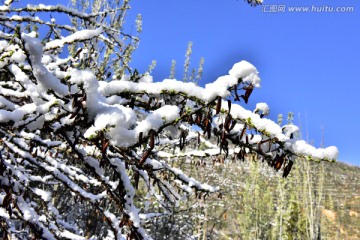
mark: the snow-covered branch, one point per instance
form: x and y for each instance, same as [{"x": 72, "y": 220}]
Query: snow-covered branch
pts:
[{"x": 80, "y": 151}]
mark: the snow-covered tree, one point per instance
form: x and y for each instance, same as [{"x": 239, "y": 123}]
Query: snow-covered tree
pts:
[{"x": 87, "y": 144}]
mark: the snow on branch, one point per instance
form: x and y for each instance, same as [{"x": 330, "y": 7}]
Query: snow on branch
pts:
[
  {"x": 87, "y": 156},
  {"x": 78, "y": 36}
]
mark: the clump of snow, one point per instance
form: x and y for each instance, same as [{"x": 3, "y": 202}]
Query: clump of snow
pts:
[
  {"x": 191, "y": 182},
  {"x": 90, "y": 84},
  {"x": 247, "y": 72},
  {"x": 45, "y": 195},
  {"x": 146, "y": 78},
  {"x": 220, "y": 87},
  {"x": 77, "y": 36},
  {"x": 4, "y": 8},
  {"x": 301, "y": 148},
  {"x": 69, "y": 235},
  {"x": 18, "y": 56},
  {"x": 3, "y": 45},
  {"x": 17, "y": 114},
  {"x": 4, "y": 214},
  {"x": 157, "y": 118},
  {"x": 2, "y": 196},
  {"x": 290, "y": 129},
  {"x": 263, "y": 108},
  {"x": 115, "y": 223},
  {"x": 46, "y": 80},
  {"x": 6, "y": 104}
]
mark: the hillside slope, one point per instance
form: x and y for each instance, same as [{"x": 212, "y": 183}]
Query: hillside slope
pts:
[{"x": 316, "y": 201}]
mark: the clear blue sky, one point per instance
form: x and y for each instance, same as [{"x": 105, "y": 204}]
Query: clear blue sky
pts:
[{"x": 308, "y": 62}]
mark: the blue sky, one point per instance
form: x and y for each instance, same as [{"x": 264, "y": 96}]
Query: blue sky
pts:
[{"x": 308, "y": 61}]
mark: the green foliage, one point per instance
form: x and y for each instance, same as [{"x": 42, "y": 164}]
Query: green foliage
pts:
[{"x": 258, "y": 204}]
